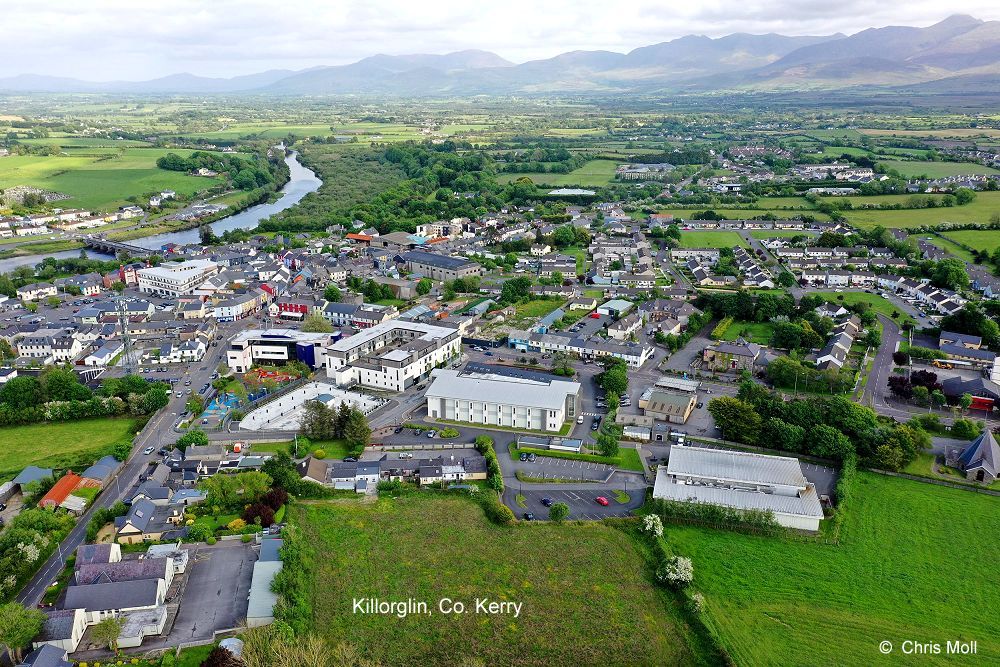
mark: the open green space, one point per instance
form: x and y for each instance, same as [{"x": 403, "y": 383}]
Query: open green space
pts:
[
  {"x": 535, "y": 308},
  {"x": 59, "y": 445},
  {"x": 595, "y": 173},
  {"x": 779, "y": 233},
  {"x": 980, "y": 210},
  {"x": 100, "y": 178},
  {"x": 334, "y": 449},
  {"x": 753, "y": 332},
  {"x": 587, "y": 596},
  {"x": 948, "y": 245},
  {"x": 740, "y": 213},
  {"x": 707, "y": 239},
  {"x": 898, "y": 573},
  {"x": 878, "y": 303},
  {"x": 980, "y": 239},
  {"x": 914, "y": 168}
]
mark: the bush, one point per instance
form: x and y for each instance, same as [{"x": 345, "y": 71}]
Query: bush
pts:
[
  {"x": 247, "y": 538},
  {"x": 199, "y": 533},
  {"x": 496, "y": 511},
  {"x": 677, "y": 572},
  {"x": 211, "y": 540},
  {"x": 448, "y": 433},
  {"x": 259, "y": 513},
  {"x": 319, "y": 453},
  {"x": 236, "y": 524},
  {"x": 275, "y": 498}
]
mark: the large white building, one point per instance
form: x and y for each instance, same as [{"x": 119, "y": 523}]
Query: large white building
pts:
[
  {"x": 392, "y": 355},
  {"x": 742, "y": 481},
  {"x": 175, "y": 278},
  {"x": 276, "y": 346},
  {"x": 532, "y": 401}
]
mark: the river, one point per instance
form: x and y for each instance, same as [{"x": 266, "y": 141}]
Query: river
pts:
[{"x": 301, "y": 182}]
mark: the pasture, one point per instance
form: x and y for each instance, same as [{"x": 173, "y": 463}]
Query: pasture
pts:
[
  {"x": 595, "y": 174},
  {"x": 980, "y": 239},
  {"x": 914, "y": 168},
  {"x": 586, "y": 593},
  {"x": 59, "y": 445},
  {"x": 897, "y": 574}
]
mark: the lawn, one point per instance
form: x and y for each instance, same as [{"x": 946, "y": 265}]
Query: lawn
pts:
[
  {"x": 100, "y": 178},
  {"x": 985, "y": 205},
  {"x": 627, "y": 459},
  {"x": 760, "y": 235},
  {"x": 897, "y": 574},
  {"x": 535, "y": 308},
  {"x": 708, "y": 239},
  {"x": 753, "y": 332},
  {"x": 915, "y": 168},
  {"x": 430, "y": 547},
  {"x": 335, "y": 449},
  {"x": 878, "y": 303},
  {"x": 59, "y": 445},
  {"x": 594, "y": 173}
]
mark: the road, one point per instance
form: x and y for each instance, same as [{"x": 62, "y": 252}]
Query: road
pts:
[{"x": 875, "y": 389}]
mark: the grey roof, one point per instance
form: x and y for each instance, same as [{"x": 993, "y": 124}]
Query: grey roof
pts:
[
  {"x": 102, "y": 469},
  {"x": 805, "y": 504},
  {"x": 93, "y": 553},
  {"x": 432, "y": 259},
  {"x": 32, "y": 474},
  {"x": 448, "y": 383},
  {"x": 956, "y": 386},
  {"x": 972, "y": 353},
  {"x": 46, "y": 655},
  {"x": 718, "y": 464},
  {"x": 125, "y": 570},
  {"x": 139, "y": 515},
  {"x": 982, "y": 453},
  {"x": 262, "y": 599},
  {"x": 960, "y": 337},
  {"x": 114, "y": 595},
  {"x": 58, "y": 625}
]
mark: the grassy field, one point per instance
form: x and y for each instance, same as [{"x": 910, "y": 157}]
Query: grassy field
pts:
[
  {"x": 753, "y": 332},
  {"x": 950, "y": 246},
  {"x": 897, "y": 574},
  {"x": 980, "y": 239},
  {"x": 100, "y": 178},
  {"x": 59, "y": 445},
  {"x": 535, "y": 308},
  {"x": 985, "y": 205},
  {"x": 878, "y": 303},
  {"x": 913, "y": 168},
  {"x": 779, "y": 233},
  {"x": 595, "y": 173},
  {"x": 706, "y": 239},
  {"x": 433, "y": 547},
  {"x": 746, "y": 212}
]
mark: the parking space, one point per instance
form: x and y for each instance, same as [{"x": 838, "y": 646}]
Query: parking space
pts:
[
  {"x": 582, "y": 503},
  {"x": 551, "y": 468}
]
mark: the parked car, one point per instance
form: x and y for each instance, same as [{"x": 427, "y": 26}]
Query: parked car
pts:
[
  {"x": 596, "y": 424},
  {"x": 579, "y": 419},
  {"x": 522, "y": 457},
  {"x": 528, "y": 516},
  {"x": 350, "y": 459},
  {"x": 488, "y": 354},
  {"x": 432, "y": 433},
  {"x": 547, "y": 502},
  {"x": 405, "y": 455},
  {"x": 147, "y": 451},
  {"x": 398, "y": 429},
  {"x": 700, "y": 405},
  {"x": 601, "y": 500},
  {"x": 531, "y": 458},
  {"x": 162, "y": 451}
]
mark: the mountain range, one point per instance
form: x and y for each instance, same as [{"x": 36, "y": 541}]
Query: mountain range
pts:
[{"x": 960, "y": 52}]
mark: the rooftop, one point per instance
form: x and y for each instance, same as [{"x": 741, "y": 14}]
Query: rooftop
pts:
[
  {"x": 735, "y": 466},
  {"x": 448, "y": 383}
]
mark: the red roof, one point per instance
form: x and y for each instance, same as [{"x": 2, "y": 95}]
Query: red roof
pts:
[
  {"x": 436, "y": 239},
  {"x": 60, "y": 490},
  {"x": 360, "y": 237}
]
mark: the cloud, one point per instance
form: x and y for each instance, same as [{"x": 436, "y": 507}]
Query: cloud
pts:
[{"x": 123, "y": 39}]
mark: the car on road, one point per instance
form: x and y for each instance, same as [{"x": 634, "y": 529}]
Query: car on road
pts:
[
  {"x": 601, "y": 500},
  {"x": 147, "y": 451},
  {"x": 596, "y": 424},
  {"x": 700, "y": 405},
  {"x": 488, "y": 354},
  {"x": 528, "y": 516},
  {"x": 350, "y": 459},
  {"x": 522, "y": 457},
  {"x": 579, "y": 419},
  {"x": 547, "y": 502},
  {"x": 398, "y": 429}
]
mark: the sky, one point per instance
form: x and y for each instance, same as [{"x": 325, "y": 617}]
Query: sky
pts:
[{"x": 105, "y": 40}]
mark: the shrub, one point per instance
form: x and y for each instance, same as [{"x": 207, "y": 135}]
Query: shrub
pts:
[
  {"x": 211, "y": 540},
  {"x": 496, "y": 511},
  {"x": 697, "y": 603},
  {"x": 449, "y": 433},
  {"x": 720, "y": 328},
  {"x": 275, "y": 498},
  {"x": 653, "y": 525},
  {"x": 199, "y": 533},
  {"x": 677, "y": 572},
  {"x": 246, "y": 538},
  {"x": 236, "y": 524},
  {"x": 319, "y": 453},
  {"x": 259, "y": 513}
]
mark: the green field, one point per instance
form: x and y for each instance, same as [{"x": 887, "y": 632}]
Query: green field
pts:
[
  {"x": 59, "y": 445},
  {"x": 878, "y": 303},
  {"x": 707, "y": 239},
  {"x": 914, "y": 168},
  {"x": 779, "y": 233},
  {"x": 949, "y": 246},
  {"x": 753, "y": 332},
  {"x": 595, "y": 173},
  {"x": 980, "y": 210},
  {"x": 587, "y": 596},
  {"x": 980, "y": 239},
  {"x": 100, "y": 178},
  {"x": 898, "y": 573},
  {"x": 535, "y": 308}
]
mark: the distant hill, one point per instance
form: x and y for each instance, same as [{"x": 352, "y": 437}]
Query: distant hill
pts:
[{"x": 958, "y": 49}]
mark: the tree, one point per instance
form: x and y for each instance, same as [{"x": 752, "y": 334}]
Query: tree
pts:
[
  {"x": 736, "y": 419},
  {"x": 332, "y": 294},
  {"x": 318, "y": 421},
  {"x": 107, "y": 631},
  {"x": 950, "y": 273},
  {"x": 938, "y": 398},
  {"x": 828, "y": 442},
  {"x": 965, "y": 401},
  {"x": 921, "y": 395},
  {"x": 121, "y": 450},
  {"x": 220, "y": 657},
  {"x": 316, "y": 323},
  {"x": 193, "y": 437},
  {"x": 900, "y": 358},
  {"x": 424, "y": 286},
  {"x": 357, "y": 432},
  {"x": 195, "y": 405},
  {"x": 607, "y": 444},
  {"x": 558, "y": 512},
  {"x": 18, "y": 626}
]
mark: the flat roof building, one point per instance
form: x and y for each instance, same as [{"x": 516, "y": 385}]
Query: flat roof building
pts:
[
  {"x": 175, "y": 278},
  {"x": 440, "y": 267},
  {"x": 276, "y": 346},
  {"x": 532, "y": 403}
]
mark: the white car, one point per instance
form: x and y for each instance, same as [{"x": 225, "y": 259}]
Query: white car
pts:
[{"x": 148, "y": 451}]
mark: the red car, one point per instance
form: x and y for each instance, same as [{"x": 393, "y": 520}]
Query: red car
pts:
[
  {"x": 601, "y": 500},
  {"x": 595, "y": 316}
]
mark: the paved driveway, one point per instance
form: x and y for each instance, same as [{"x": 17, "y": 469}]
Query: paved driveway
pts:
[{"x": 216, "y": 593}]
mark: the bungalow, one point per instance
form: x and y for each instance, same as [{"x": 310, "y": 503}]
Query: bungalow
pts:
[
  {"x": 104, "y": 600},
  {"x": 145, "y": 522}
]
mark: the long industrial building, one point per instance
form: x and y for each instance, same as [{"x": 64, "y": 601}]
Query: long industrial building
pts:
[
  {"x": 393, "y": 355},
  {"x": 532, "y": 401}
]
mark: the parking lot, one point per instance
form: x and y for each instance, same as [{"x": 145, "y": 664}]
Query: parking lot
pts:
[
  {"x": 582, "y": 502},
  {"x": 551, "y": 468}
]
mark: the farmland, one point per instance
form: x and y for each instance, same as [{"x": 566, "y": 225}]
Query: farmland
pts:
[
  {"x": 63, "y": 445},
  {"x": 586, "y": 593},
  {"x": 937, "y": 169},
  {"x": 980, "y": 239},
  {"x": 723, "y": 239},
  {"x": 595, "y": 173},
  {"x": 895, "y": 575},
  {"x": 100, "y": 177}
]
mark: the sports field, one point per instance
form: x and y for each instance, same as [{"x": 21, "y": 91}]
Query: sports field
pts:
[
  {"x": 100, "y": 178},
  {"x": 587, "y": 596},
  {"x": 59, "y": 445},
  {"x": 707, "y": 239},
  {"x": 899, "y": 573}
]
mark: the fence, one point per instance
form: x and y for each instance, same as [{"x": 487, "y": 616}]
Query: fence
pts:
[{"x": 939, "y": 482}]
